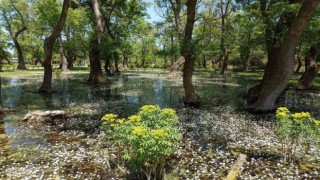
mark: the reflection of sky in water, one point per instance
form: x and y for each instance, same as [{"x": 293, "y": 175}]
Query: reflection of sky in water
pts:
[{"x": 127, "y": 93}]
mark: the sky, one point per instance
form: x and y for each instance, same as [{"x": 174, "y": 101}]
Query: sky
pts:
[{"x": 153, "y": 16}]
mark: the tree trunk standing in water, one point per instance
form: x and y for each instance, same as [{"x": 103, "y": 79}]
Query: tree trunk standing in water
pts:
[
  {"x": 281, "y": 61},
  {"x": 311, "y": 69},
  {"x": 46, "y": 85},
  {"x": 64, "y": 62},
  {"x": 96, "y": 75},
  {"x": 187, "y": 51}
]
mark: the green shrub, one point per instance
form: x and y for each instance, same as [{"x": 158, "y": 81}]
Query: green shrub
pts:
[
  {"x": 146, "y": 139},
  {"x": 294, "y": 131}
]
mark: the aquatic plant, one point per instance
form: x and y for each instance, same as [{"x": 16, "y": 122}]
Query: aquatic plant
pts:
[
  {"x": 294, "y": 130},
  {"x": 146, "y": 139}
]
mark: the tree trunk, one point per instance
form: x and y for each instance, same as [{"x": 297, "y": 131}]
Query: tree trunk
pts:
[
  {"x": 96, "y": 75},
  {"x": 46, "y": 85},
  {"x": 204, "y": 62},
  {"x": 187, "y": 51},
  {"x": 125, "y": 63},
  {"x": 142, "y": 65},
  {"x": 21, "y": 62},
  {"x": 175, "y": 67},
  {"x": 311, "y": 69},
  {"x": 299, "y": 64},
  {"x": 116, "y": 64},
  {"x": 64, "y": 62},
  {"x": 281, "y": 62}
]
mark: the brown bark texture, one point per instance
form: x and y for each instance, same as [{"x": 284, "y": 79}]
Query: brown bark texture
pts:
[
  {"x": 187, "y": 51},
  {"x": 64, "y": 61},
  {"x": 175, "y": 67},
  {"x": 46, "y": 85},
  {"x": 96, "y": 75},
  {"x": 281, "y": 61},
  {"x": 311, "y": 69}
]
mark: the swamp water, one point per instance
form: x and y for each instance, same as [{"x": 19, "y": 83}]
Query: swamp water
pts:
[{"x": 213, "y": 135}]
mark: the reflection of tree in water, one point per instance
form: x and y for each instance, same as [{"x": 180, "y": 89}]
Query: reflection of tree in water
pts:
[{"x": 3, "y": 136}]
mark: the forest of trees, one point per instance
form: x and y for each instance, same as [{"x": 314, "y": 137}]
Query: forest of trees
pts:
[{"x": 110, "y": 36}]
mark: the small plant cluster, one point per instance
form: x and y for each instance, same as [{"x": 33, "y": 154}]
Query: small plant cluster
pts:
[
  {"x": 296, "y": 130},
  {"x": 146, "y": 139}
]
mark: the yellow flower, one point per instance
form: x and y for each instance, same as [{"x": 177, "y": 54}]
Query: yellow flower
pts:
[
  {"x": 301, "y": 116},
  {"x": 157, "y": 134},
  {"x": 149, "y": 108},
  {"x": 168, "y": 111},
  {"x": 134, "y": 119},
  {"x": 282, "y": 109},
  {"x": 281, "y": 115},
  {"x": 109, "y": 117},
  {"x": 317, "y": 122},
  {"x": 139, "y": 130},
  {"x": 120, "y": 121}
]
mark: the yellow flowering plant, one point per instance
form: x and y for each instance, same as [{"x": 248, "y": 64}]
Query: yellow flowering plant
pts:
[
  {"x": 146, "y": 139},
  {"x": 295, "y": 130}
]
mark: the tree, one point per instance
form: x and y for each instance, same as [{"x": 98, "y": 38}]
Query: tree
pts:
[
  {"x": 187, "y": 51},
  {"x": 311, "y": 68},
  {"x": 10, "y": 14},
  {"x": 281, "y": 58},
  {"x": 46, "y": 85}
]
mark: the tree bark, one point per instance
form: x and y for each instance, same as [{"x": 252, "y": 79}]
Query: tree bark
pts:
[
  {"x": 96, "y": 75},
  {"x": 204, "y": 62},
  {"x": 46, "y": 85},
  {"x": 21, "y": 62},
  {"x": 188, "y": 53},
  {"x": 125, "y": 63},
  {"x": 225, "y": 53},
  {"x": 175, "y": 67},
  {"x": 299, "y": 64},
  {"x": 64, "y": 62},
  {"x": 14, "y": 36},
  {"x": 281, "y": 62},
  {"x": 311, "y": 69}
]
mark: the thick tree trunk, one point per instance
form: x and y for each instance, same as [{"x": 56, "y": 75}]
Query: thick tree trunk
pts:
[
  {"x": 187, "y": 51},
  {"x": 281, "y": 62},
  {"x": 96, "y": 75},
  {"x": 46, "y": 85},
  {"x": 21, "y": 62},
  {"x": 64, "y": 62},
  {"x": 311, "y": 69}
]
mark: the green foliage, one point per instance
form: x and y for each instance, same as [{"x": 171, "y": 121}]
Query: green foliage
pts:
[
  {"x": 294, "y": 131},
  {"x": 149, "y": 137}
]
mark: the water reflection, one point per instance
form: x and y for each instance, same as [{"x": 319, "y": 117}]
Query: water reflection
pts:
[{"x": 125, "y": 94}]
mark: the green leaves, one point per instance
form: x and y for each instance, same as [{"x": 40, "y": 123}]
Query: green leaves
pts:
[{"x": 150, "y": 137}]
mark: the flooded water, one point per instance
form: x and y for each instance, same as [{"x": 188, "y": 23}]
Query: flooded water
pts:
[{"x": 124, "y": 95}]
